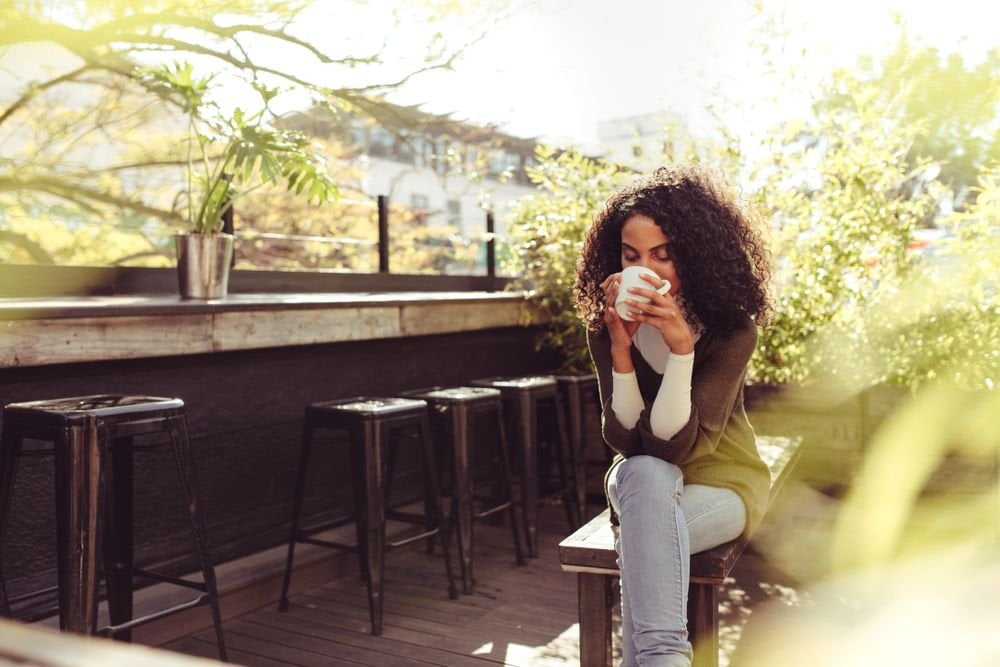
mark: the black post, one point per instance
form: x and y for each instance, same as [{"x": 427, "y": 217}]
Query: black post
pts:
[
  {"x": 491, "y": 252},
  {"x": 383, "y": 234}
]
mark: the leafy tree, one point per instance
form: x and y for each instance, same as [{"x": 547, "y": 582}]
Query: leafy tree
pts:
[
  {"x": 844, "y": 205},
  {"x": 943, "y": 323},
  {"x": 86, "y": 135},
  {"x": 956, "y": 106}
]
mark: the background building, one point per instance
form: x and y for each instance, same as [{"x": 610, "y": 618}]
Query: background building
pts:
[{"x": 447, "y": 171}]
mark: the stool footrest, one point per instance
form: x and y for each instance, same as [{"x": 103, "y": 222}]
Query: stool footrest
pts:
[
  {"x": 412, "y": 538},
  {"x": 32, "y": 594},
  {"x": 176, "y": 581},
  {"x": 493, "y": 510},
  {"x": 112, "y": 630},
  {"x": 326, "y": 543},
  {"x": 326, "y": 525}
]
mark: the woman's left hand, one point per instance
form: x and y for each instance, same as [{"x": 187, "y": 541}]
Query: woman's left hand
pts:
[{"x": 664, "y": 313}]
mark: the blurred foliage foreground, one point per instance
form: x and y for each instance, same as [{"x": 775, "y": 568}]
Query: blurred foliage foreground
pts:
[{"x": 893, "y": 575}]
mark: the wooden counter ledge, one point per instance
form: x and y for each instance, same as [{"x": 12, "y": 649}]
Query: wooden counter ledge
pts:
[{"x": 37, "y": 331}]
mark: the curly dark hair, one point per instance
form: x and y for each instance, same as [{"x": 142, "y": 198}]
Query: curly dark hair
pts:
[{"x": 717, "y": 251}]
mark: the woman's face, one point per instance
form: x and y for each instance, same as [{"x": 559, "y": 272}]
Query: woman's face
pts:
[{"x": 645, "y": 244}]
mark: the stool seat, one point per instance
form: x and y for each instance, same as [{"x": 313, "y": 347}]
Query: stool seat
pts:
[
  {"x": 102, "y": 406},
  {"x": 586, "y": 379},
  {"x": 92, "y": 446},
  {"x": 455, "y": 395},
  {"x": 524, "y": 383},
  {"x": 369, "y": 407}
]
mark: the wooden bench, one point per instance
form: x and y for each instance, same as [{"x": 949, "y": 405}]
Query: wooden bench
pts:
[{"x": 590, "y": 552}]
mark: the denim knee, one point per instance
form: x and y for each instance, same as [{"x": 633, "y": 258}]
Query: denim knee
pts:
[{"x": 647, "y": 474}]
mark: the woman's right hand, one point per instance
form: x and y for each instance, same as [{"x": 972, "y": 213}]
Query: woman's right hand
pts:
[{"x": 620, "y": 331}]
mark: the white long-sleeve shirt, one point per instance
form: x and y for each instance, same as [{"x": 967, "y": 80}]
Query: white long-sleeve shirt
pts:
[{"x": 671, "y": 408}]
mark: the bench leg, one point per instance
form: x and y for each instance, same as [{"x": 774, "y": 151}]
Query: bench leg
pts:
[
  {"x": 703, "y": 624},
  {"x": 596, "y": 601}
]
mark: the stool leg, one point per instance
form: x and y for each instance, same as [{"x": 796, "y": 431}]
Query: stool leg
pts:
[
  {"x": 357, "y": 437},
  {"x": 578, "y": 447},
  {"x": 443, "y": 525},
  {"x": 509, "y": 484},
  {"x": 185, "y": 468},
  {"x": 10, "y": 446},
  {"x": 300, "y": 483},
  {"x": 373, "y": 543},
  {"x": 462, "y": 492},
  {"x": 429, "y": 501},
  {"x": 528, "y": 422},
  {"x": 566, "y": 460},
  {"x": 703, "y": 624},
  {"x": 117, "y": 533},
  {"x": 77, "y": 462}
]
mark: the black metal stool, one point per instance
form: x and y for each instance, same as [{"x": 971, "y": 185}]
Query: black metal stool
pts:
[
  {"x": 577, "y": 389},
  {"x": 524, "y": 397},
  {"x": 452, "y": 410},
  {"x": 370, "y": 423},
  {"x": 93, "y": 445}
]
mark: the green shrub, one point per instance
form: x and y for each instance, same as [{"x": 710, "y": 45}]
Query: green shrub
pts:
[{"x": 546, "y": 237}]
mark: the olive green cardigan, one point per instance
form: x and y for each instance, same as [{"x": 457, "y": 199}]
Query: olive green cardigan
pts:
[{"x": 717, "y": 446}]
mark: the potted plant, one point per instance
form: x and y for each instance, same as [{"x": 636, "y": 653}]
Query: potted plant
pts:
[{"x": 228, "y": 156}]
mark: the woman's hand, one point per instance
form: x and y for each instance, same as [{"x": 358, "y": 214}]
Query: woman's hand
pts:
[
  {"x": 662, "y": 312},
  {"x": 620, "y": 331}
]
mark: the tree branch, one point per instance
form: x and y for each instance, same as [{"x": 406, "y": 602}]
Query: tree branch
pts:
[
  {"x": 35, "y": 89},
  {"x": 83, "y": 196},
  {"x": 229, "y": 32},
  {"x": 35, "y": 251}
]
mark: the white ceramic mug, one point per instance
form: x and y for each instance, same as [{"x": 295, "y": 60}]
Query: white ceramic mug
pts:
[{"x": 631, "y": 278}]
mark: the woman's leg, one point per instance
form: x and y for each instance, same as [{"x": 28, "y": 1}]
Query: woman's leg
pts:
[
  {"x": 661, "y": 523},
  {"x": 653, "y": 558},
  {"x": 714, "y": 515}
]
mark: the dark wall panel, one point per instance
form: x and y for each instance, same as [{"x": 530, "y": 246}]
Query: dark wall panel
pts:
[{"x": 244, "y": 413}]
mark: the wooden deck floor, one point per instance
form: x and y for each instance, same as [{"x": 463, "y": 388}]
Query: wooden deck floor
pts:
[{"x": 517, "y": 616}]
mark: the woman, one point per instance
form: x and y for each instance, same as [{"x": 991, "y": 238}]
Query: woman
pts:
[{"x": 687, "y": 476}]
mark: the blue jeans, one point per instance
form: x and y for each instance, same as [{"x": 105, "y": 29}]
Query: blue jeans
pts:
[{"x": 661, "y": 523}]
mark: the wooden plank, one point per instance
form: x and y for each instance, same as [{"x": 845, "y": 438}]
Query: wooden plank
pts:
[
  {"x": 482, "y": 632},
  {"x": 389, "y": 616},
  {"x": 67, "y": 340},
  {"x": 311, "y": 628},
  {"x": 424, "y": 319},
  {"x": 256, "y": 329},
  {"x": 305, "y": 649},
  {"x": 406, "y": 604},
  {"x": 206, "y": 649}
]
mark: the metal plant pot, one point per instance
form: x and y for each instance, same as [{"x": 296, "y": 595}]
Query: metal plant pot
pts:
[{"x": 203, "y": 262}]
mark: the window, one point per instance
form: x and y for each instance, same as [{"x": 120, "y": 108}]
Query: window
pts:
[
  {"x": 454, "y": 211},
  {"x": 419, "y": 202}
]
